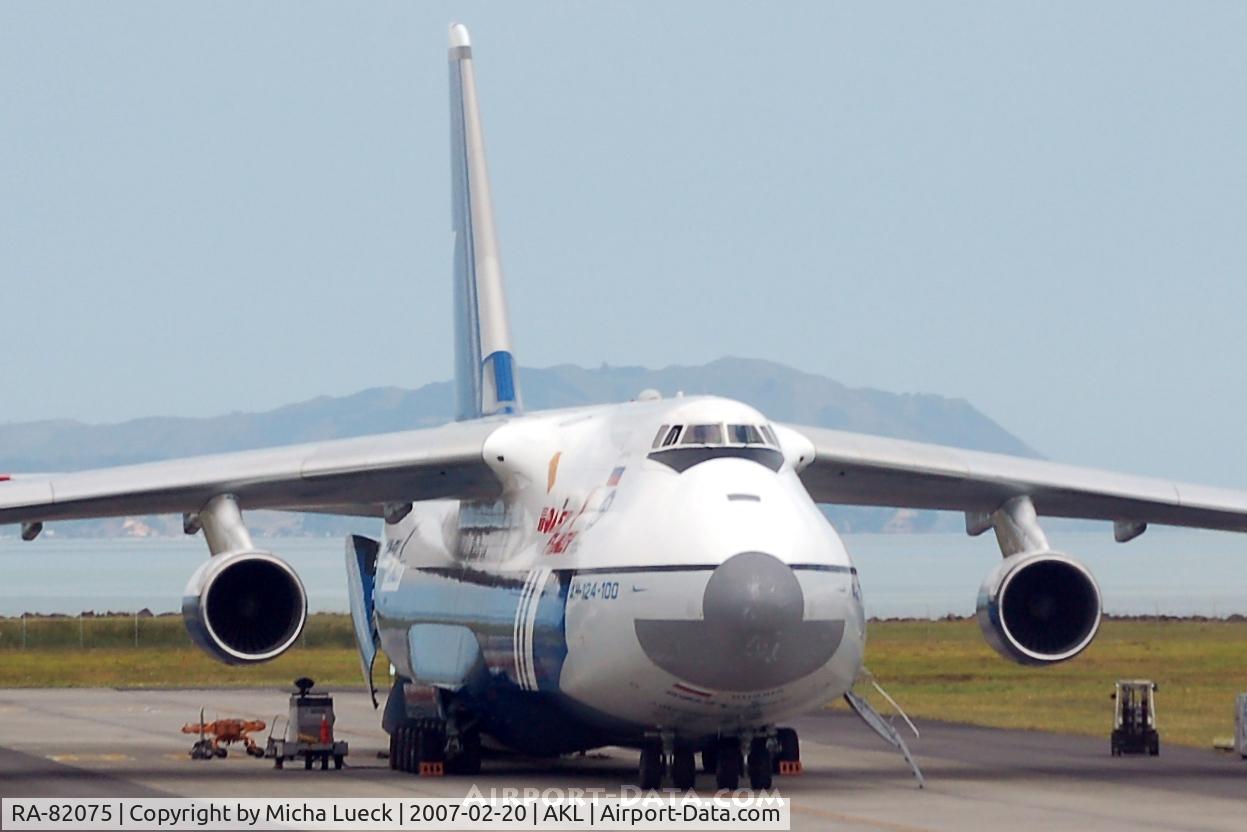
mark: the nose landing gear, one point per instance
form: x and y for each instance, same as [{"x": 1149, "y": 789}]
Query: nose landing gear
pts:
[
  {"x": 760, "y": 764},
  {"x": 653, "y": 766},
  {"x": 683, "y": 769},
  {"x": 727, "y": 763},
  {"x": 769, "y": 754}
]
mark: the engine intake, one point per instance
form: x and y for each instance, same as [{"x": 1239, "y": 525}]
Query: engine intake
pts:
[
  {"x": 244, "y": 607},
  {"x": 1039, "y": 608}
]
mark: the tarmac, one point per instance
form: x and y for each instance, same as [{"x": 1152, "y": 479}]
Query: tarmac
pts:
[{"x": 127, "y": 743}]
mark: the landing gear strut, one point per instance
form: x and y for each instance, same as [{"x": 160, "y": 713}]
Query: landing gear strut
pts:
[{"x": 465, "y": 757}]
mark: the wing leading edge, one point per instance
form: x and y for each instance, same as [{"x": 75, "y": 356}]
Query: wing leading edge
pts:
[
  {"x": 859, "y": 469},
  {"x": 350, "y": 476},
  {"x": 344, "y": 476}
]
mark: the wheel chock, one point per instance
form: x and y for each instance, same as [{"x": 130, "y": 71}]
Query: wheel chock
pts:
[
  {"x": 789, "y": 767},
  {"x": 437, "y": 769}
]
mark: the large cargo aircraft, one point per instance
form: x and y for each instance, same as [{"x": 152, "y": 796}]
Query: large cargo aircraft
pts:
[{"x": 654, "y": 574}]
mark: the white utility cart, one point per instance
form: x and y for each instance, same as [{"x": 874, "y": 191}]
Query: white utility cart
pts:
[{"x": 309, "y": 731}]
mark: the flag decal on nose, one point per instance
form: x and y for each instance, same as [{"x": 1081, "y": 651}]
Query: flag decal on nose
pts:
[{"x": 694, "y": 691}]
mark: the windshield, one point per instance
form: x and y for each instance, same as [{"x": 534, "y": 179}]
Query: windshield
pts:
[
  {"x": 704, "y": 435},
  {"x": 745, "y": 435},
  {"x": 714, "y": 434}
]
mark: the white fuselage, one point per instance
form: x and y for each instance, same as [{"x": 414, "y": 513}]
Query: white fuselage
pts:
[{"x": 600, "y": 544}]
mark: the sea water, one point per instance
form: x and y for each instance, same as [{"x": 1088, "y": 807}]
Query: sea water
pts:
[{"x": 1165, "y": 572}]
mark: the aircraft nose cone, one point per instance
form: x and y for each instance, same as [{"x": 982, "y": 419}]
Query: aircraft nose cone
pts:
[
  {"x": 752, "y": 634},
  {"x": 753, "y": 592}
]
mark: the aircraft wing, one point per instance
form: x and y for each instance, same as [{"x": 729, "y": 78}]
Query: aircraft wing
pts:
[
  {"x": 343, "y": 476},
  {"x": 859, "y": 469}
]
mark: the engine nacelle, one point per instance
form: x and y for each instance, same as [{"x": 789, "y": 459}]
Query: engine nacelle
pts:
[
  {"x": 244, "y": 607},
  {"x": 1039, "y": 608}
]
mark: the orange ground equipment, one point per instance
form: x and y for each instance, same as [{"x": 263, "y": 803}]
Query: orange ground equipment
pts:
[{"x": 215, "y": 735}]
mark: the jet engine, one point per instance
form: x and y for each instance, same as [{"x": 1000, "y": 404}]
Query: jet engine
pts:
[
  {"x": 1039, "y": 608},
  {"x": 244, "y": 607}
]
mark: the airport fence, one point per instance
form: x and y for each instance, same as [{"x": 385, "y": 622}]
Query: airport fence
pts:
[{"x": 140, "y": 631}]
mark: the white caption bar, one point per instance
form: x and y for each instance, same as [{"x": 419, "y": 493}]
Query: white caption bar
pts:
[{"x": 175, "y": 814}]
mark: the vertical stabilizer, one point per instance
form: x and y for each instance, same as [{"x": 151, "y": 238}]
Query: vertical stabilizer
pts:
[{"x": 485, "y": 380}]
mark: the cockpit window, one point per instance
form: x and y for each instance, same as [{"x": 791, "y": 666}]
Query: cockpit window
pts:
[
  {"x": 714, "y": 435},
  {"x": 684, "y": 446},
  {"x": 745, "y": 435},
  {"x": 704, "y": 435}
]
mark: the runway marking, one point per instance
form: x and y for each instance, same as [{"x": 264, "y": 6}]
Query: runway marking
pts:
[
  {"x": 888, "y": 826},
  {"x": 90, "y": 758}
]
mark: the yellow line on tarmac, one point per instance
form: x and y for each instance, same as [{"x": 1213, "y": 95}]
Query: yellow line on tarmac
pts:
[{"x": 90, "y": 758}]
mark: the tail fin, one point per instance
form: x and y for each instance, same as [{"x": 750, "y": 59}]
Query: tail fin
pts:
[{"x": 485, "y": 381}]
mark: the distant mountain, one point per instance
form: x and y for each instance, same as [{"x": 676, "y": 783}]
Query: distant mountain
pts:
[{"x": 782, "y": 393}]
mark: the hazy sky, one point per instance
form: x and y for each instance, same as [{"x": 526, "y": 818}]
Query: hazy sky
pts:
[{"x": 1040, "y": 207}]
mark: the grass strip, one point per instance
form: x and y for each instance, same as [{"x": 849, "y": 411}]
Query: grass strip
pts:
[{"x": 934, "y": 669}]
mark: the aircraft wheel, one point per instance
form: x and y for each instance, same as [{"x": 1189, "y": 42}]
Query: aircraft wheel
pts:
[
  {"x": 411, "y": 750},
  {"x": 760, "y": 764},
  {"x": 650, "y": 768},
  {"x": 400, "y": 748},
  {"x": 728, "y": 764},
  {"x": 789, "y": 748},
  {"x": 683, "y": 769},
  {"x": 432, "y": 744},
  {"x": 222, "y": 753}
]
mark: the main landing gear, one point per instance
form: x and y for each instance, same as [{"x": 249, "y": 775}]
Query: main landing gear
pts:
[
  {"x": 768, "y": 754},
  {"x": 788, "y": 755},
  {"x": 421, "y": 746}
]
